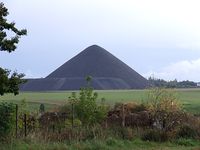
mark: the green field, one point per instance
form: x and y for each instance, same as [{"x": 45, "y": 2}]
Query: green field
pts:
[
  {"x": 109, "y": 144},
  {"x": 190, "y": 98}
]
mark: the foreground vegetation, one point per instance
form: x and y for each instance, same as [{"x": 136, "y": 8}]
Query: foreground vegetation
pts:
[
  {"x": 87, "y": 122},
  {"x": 109, "y": 144}
]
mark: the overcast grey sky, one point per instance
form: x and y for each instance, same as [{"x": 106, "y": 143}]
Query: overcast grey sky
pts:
[{"x": 154, "y": 37}]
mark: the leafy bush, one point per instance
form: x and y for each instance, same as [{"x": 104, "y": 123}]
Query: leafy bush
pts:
[
  {"x": 165, "y": 109},
  {"x": 7, "y": 119},
  {"x": 86, "y": 107},
  {"x": 42, "y": 108}
]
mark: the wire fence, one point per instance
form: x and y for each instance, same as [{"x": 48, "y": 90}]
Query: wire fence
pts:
[{"x": 52, "y": 121}]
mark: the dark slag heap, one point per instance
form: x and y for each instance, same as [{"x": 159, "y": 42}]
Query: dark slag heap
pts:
[{"x": 107, "y": 72}]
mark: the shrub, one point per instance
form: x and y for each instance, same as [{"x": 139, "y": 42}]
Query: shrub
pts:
[
  {"x": 165, "y": 109},
  {"x": 86, "y": 107},
  {"x": 7, "y": 119},
  {"x": 42, "y": 108}
]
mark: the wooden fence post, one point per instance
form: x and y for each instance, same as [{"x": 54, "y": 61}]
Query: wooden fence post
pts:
[
  {"x": 53, "y": 128},
  {"x": 25, "y": 126},
  {"x": 72, "y": 115},
  {"x": 123, "y": 116},
  {"x": 16, "y": 121}
]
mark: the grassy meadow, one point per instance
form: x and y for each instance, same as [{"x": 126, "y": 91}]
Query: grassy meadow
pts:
[
  {"x": 190, "y": 98},
  {"x": 109, "y": 144}
]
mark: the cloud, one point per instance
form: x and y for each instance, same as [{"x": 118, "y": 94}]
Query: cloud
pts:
[
  {"x": 189, "y": 45},
  {"x": 183, "y": 70},
  {"x": 57, "y": 30}
]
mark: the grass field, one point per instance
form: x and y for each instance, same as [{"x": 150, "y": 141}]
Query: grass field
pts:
[
  {"x": 109, "y": 144},
  {"x": 190, "y": 98}
]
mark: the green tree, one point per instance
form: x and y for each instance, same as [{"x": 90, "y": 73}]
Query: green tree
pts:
[
  {"x": 7, "y": 119},
  {"x": 9, "y": 83},
  {"x": 86, "y": 106}
]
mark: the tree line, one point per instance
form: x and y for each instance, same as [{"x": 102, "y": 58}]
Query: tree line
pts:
[{"x": 154, "y": 82}]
